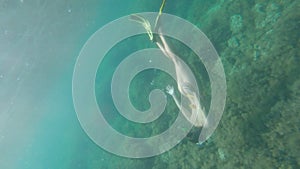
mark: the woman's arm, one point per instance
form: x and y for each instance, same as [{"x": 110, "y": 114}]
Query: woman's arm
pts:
[{"x": 185, "y": 112}]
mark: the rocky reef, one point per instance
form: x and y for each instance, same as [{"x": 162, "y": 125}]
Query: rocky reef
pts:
[{"x": 258, "y": 42}]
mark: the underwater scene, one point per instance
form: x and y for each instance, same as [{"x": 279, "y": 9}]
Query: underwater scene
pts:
[{"x": 210, "y": 84}]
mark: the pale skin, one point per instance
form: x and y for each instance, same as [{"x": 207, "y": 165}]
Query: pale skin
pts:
[{"x": 196, "y": 116}]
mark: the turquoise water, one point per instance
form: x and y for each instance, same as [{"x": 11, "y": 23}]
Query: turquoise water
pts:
[{"x": 258, "y": 43}]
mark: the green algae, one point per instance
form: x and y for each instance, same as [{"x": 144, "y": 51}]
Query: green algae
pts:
[{"x": 258, "y": 42}]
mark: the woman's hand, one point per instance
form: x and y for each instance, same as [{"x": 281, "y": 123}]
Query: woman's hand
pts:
[{"x": 170, "y": 90}]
